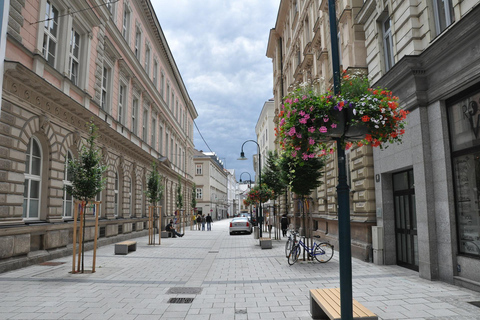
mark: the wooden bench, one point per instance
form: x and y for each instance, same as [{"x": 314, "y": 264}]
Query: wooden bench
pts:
[
  {"x": 125, "y": 247},
  {"x": 325, "y": 304},
  {"x": 266, "y": 243}
]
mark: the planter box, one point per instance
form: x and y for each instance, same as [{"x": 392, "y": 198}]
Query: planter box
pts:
[{"x": 266, "y": 243}]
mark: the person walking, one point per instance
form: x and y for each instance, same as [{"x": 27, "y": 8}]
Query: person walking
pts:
[
  {"x": 270, "y": 223},
  {"x": 199, "y": 221},
  {"x": 209, "y": 222},
  {"x": 203, "y": 222},
  {"x": 284, "y": 224}
]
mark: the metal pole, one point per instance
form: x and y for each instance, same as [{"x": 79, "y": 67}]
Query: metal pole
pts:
[
  {"x": 260, "y": 181},
  {"x": 346, "y": 307}
]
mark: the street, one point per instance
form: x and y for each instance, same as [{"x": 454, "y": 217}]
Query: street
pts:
[{"x": 228, "y": 277}]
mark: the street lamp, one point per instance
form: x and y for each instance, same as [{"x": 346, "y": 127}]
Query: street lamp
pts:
[
  {"x": 248, "y": 175},
  {"x": 242, "y": 157}
]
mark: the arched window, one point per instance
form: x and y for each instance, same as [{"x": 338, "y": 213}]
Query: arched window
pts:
[
  {"x": 33, "y": 179},
  {"x": 115, "y": 205},
  {"x": 67, "y": 181}
]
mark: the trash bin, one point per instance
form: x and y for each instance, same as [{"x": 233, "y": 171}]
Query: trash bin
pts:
[{"x": 256, "y": 233}]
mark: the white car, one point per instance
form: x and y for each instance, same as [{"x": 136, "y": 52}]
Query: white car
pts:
[{"x": 240, "y": 224}]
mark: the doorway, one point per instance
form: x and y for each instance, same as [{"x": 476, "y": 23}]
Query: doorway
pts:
[{"x": 405, "y": 220}]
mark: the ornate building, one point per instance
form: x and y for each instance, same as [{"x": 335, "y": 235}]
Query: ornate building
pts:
[
  {"x": 299, "y": 47},
  {"x": 421, "y": 196},
  {"x": 68, "y": 62}
]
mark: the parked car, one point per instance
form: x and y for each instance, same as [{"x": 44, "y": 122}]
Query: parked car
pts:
[
  {"x": 250, "y": 217},
  {"x": 239, "y": 225}
]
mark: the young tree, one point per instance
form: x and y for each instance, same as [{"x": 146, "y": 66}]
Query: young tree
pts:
[
  {"x": 154, "y": 191},
  {"x": 193, "y": 203},
  {"x": 179, "y": 199},
  {"x": 87, "y": 175}
]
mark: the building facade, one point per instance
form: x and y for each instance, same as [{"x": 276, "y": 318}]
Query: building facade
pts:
[
  {"x": 420, "y": 197},
  {"x": 65, "y": 66},
  {"x": 211, "y": 182}
]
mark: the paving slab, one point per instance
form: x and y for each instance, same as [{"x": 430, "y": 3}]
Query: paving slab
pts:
[{"x": 228, "y": 277}]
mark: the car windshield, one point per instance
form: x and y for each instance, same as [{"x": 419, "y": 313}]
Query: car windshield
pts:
[{"x": 240, "y": 219}]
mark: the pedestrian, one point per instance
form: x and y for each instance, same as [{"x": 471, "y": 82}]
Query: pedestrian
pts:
[
  {"x": 171, "y": 229},
  {"x": 203, "y": 222},
  {"x": 209, "y": 222},
  {"x": 284, "y": 223},
  {"x": 199, "y": 221},
  {"x": 270, "y": 223}
]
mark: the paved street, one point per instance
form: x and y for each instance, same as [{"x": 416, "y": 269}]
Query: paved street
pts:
[{"x": 233, "y": 279}]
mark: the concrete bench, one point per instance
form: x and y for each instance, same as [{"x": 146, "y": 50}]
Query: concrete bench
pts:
[
  {"x": 266, "y": 243},
  {"x": 325, "y": 304},
  {"x": 125, "y": 247},
  {"x": 166, "y": 234}
]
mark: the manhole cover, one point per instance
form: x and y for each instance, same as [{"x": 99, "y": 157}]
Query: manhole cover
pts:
[
  {"x": 51, "y": 263},
  {"x": 184, "y": 290},
  {"x": 180, "y": 300},
  {"x": 240, "y": 311},
  {"x": 213, "y": 251},
  {"x": 475, "y": 303}
]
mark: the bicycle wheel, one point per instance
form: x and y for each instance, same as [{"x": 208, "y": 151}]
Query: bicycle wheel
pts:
[
  {"x": 288, "y": 247},
  {"x": 323, "y": 252},
  {"x": 293, "y": 255}
]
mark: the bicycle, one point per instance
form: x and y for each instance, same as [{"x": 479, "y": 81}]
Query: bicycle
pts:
[
  {"x": 322, "y": 252},
  {"x": 290, "y": 241}
]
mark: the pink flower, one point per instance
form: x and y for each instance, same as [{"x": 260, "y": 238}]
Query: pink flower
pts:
[
  {"x": 311, "y": 129},
  {"x": 305, "y": 156},
  {"x": 294, "y": 154},
  {"x": 334, "y": 125},
  {"x": 282, "y": 122},
  {"x": 303, "y": 120},
  {"x": 323, "y": 129},
  {"x": 299, "y": 135},
  {"x": 292, "y": 131},
  {"x": 297, "y": 148},
  {"x": 307, "y": 116},
  {"x": 304, "y": 97},
  {"x": 301, "y": 113},
  {"x": 311, "y": 155},
  {"x": 311, "y": 108},
  {"x": 325, "y": 119},
  {"x": 295, "y": 101},
  {"x": 331, "y": 151},
  {"x": 311, "y": 141}
]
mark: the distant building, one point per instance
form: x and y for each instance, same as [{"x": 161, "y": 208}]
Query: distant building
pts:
[{"x": 211, "y": 185}]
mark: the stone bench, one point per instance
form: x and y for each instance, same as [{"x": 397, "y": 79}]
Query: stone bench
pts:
[
  {"x": 125, "y": 247},
  {"x": 325, "y": 304},
  {"x": 266, "y": 243}
]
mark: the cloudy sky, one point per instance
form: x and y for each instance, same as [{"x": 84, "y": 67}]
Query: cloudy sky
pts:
[{"x": 219, "y": 47}]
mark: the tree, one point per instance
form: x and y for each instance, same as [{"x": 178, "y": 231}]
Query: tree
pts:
[
  {"x": 193, "y": 203},
  {"x": 154, "y": 193},
  {"x": 87, "y": 175}
]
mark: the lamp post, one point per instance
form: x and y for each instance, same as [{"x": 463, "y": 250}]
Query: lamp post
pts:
[
  {"x": 242, "y": 157},
  {"x": 344, "y": 235},
  {"x": 249, "y": 184}
]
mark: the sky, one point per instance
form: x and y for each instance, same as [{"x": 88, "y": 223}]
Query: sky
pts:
[{"x": 220, "y": 47}]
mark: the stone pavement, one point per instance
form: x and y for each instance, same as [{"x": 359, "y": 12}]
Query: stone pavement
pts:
[{"x": 228, "y": 277}]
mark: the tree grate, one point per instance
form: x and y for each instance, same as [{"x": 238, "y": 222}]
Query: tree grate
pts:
[
  {"x": 180, "y": 300},
  {"x": 475, "y": 303}
]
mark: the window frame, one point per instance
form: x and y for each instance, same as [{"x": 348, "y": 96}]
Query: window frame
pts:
[
  {"x": 148, "y": 53},
  {"x": 106, "y": 87},
  {"x": 47, "y": 35},
  {"x": 199, "y": 193},
  {"x": 198, "y": 169},
  {"x": 116, "y": 194},
  {"x": 134, "y": 119},
  {"x": 447, "y": 13},
  {"x": 72, "y": 58},
  {"x": 67, "y": 182},
  {"x": 153, "y": 138},
  {"x": 387, "y": 41},
  {"x": 138, "y": 43},
  {"x": 29, "y": 177},
  {"x": 122, "y": 101},
  {"x": 126, "y": 22},
  {"x": 145, "y": 124}
]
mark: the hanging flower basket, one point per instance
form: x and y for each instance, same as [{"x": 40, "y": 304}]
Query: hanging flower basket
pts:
[
  {"x": 360, "y": 115},
  {"x": 260, "y": 194}
]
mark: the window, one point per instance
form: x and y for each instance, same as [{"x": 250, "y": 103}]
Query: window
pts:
[
  {"x": 168, "y": 95},
  {"x": 138, "y": 43},
  {"x": 135, "y": 115},
  {"x": 166, "y": 145},
  {"x": 171, "y": 149},
  {"x": 444, "y": 15},
  {"x": 50, "y": 36},
  {"x": 74, "y": 53},
  {"x": 126, "y": 23},
  {"x": 147, "y": 60},
  {"x": 106, "y": 75},
  {"x": 387, "y": 44},
  {"x": 116, "y": 196},
  {"x": 67, "y": 181},
  {"x": 155, "y": 73},
  {"x": 198, "y": 169},
  {"x": 172, "y": 106},
  {"x": 160, "y": 139},
  {"x": 176, "y": 110},
  {"x": 33, "y": 179},
  {"x": 154, "y": 130},
  {"x": 162, "y": 85},
  {"x": 199, "y": 193},
  {"x": 122, "y": 102},
  {"x": 145, "y": 125},
  {"x": 110, "y": 4}
]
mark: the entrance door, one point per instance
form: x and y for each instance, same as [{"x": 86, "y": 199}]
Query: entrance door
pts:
[{"x": 405, "y": 220}]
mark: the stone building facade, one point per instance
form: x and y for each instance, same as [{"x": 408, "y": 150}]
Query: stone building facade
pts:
[
  {"x": 299, "y": 47},
  {"x": 64, "y": 67},
  {"x": 421, "y": 197}
]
